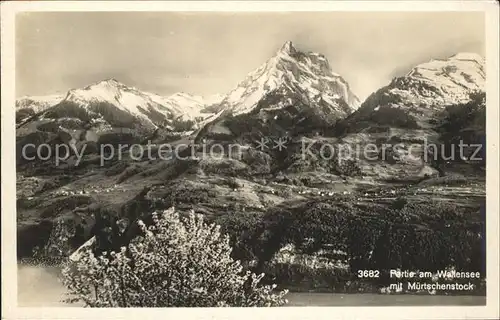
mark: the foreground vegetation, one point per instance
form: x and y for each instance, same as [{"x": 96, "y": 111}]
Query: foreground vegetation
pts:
[
  {"x": 310, "y": 245},
  {"x": 174, "y": 262}
]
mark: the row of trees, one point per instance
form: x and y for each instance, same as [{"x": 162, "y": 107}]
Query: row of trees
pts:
[{"x": 405, "y": 234}]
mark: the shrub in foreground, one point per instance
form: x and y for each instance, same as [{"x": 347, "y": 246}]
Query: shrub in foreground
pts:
[{"x": 175, "y": 262}]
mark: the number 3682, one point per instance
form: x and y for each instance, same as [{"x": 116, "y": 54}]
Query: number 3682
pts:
[{"x": 368, "y": 273}]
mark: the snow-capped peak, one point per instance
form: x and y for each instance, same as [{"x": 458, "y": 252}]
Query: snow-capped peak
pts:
[
  {"x": 38, "y": 103},
  {"x": 183, "y": 106},
  {"x": 308, "y": 74},
  {"x": 195, "y": 100},
  {"x": 443, "y": 81},
  {"x": 110, "y": 92},
  {"x": 471, "y": 56},
  {"x": 288, "y": 48},
  {"x": 213, "y": 99},
  {"x": 103, "y": 91},
  {"x": 179, "y": 106},
  {"x": 114, "y": 102},
  {"x": 184, "y": 98},
  {"x": 110, "y": 81},
  {"x": 107, "y": 84},
  {"x": 427, "y": 89}
]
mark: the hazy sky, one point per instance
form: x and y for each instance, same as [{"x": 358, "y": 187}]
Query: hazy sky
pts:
[{"x": 207, "y": 53}]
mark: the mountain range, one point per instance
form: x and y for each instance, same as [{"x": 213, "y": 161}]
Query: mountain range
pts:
[
  {"x": 114, "y": 103},
  {"x": 288, "y": 78},
  {"x": 292, "y": 94},
  {"x": 290, "y": 83}
]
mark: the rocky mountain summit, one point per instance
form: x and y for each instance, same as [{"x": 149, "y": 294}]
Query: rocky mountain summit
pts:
[
  {"x": 416, "y": 111},
  {"x": 292, "y": 71},
  {"x": 114, "y": 104},
  {"x": 38, "y": 103},
  {"x": 416, "y": 98},
  {"x": 28, "y": 106},
  {"x": 108, "y": 111},
  {"x": 291, "y": 92}
]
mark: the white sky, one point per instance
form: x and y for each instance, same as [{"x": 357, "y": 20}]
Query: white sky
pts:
[{"x": 208, "y": 53}]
